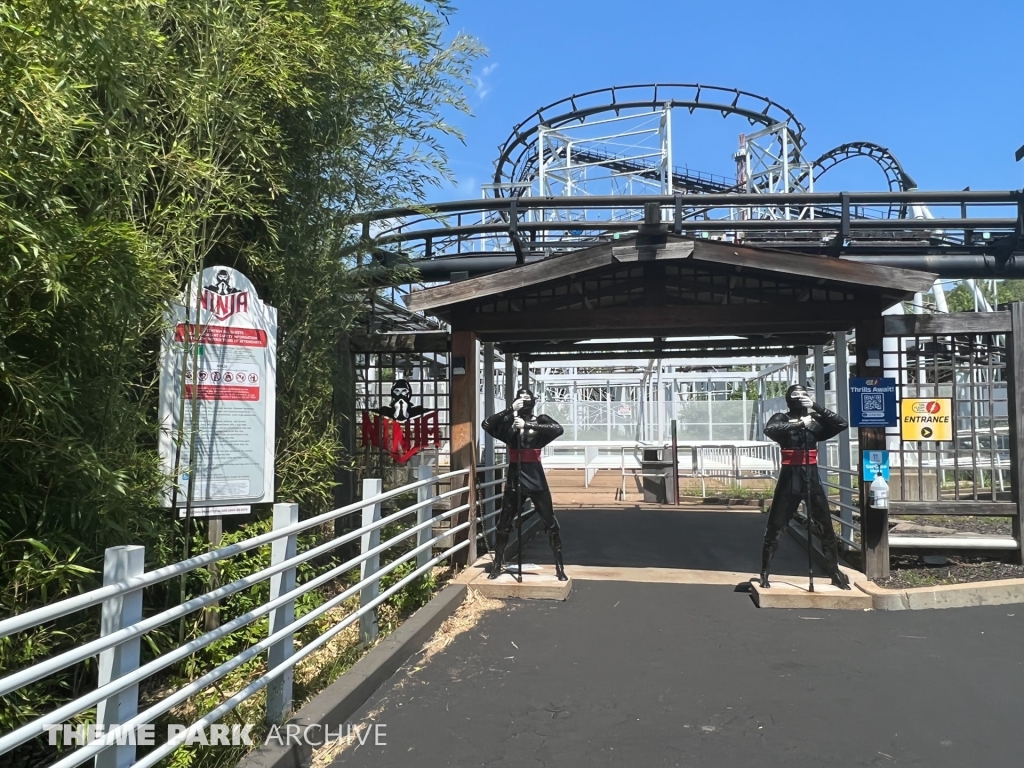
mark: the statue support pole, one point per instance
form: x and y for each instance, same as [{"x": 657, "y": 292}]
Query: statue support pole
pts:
[{"x": 810, "y": 541}]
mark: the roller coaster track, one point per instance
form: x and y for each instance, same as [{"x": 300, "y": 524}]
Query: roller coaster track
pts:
[
  {"x": 518, "y": 156},
  {"x": 683, "y": 179},
  {"x": 898, "y": 180},
  {"x": 689, "y": 181},
  {"x": 516, "y": 153}
]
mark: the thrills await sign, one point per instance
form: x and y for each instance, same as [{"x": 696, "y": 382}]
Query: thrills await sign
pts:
[
  {"x": 401, "y": 429},
  {"x": 873, "y": 402},
  {"x": 218, "y": 395},
  {"x": 929, "y": 419}
]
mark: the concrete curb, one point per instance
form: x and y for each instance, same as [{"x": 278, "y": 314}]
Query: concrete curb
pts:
[
  {"x": 1002, "y": 592},
  {"x": 342, "y": 698}
]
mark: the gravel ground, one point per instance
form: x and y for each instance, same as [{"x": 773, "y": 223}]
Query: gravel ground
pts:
[
  {"x": 962, "y": 523},
  {"x": 910, "y": 571}
]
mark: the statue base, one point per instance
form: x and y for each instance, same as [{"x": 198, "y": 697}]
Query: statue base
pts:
[
  {"x": 792, "y": 592},
  {"x": 539, "y": 582}
]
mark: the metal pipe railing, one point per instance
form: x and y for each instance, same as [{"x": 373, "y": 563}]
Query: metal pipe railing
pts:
[
  {"x": 279, "y": 644},
  {"x": 33, "y": 618}
]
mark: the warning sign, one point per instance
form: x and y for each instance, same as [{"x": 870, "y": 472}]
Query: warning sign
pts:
[
  {"x": 926, "y": 418},
  {"x": 217, "y": 395}
]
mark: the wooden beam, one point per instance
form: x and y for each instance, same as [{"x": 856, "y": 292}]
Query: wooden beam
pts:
[
  {"x": 430, "y": 341},
  {"x": 544, "y": 345},
  {"x": 980, "y": 508},
  {"x": 666, "y": 321},
  {"x": 464, "y": 393},
  {"x": 821, "y": 267},
  {"x": 641, "y": 352},
  {"x": 672, "y": 249},
  {"x": 511, "y": 279},
  {"x": 957, "y": 322}
]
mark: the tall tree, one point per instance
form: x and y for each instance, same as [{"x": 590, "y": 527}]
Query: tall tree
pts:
[{"x": 140, "y": 140}]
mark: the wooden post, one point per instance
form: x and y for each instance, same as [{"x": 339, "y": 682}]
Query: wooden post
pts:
[
  {"x": 464, "y": 395},
  {"x": 344, "y": 412},
  {"x": 874, "y": 523},
  {"x": 488, "y": 458},
  {"x": 214, "y": 535},
  {"x": 1015, "y": 379}
]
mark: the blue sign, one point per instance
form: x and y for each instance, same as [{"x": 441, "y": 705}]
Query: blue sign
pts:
[
  {"x": 874, "y": 463},
  {"x": 873, "y": 403}
]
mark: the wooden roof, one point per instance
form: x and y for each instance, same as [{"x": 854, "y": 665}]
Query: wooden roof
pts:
[{"x": 669, "y": 285}]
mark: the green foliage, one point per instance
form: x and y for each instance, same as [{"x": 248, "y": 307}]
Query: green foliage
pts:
[
  {"x": 960, "y": 299},
  {"x": 141, "y": 141}
]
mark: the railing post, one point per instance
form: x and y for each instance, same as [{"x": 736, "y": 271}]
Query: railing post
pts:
[
  {"x": 425, "y": 513},
  {"x": 279, "y": 691},
  {"x": 119, "y": 564},
  {"x": 371, "y": 514}
]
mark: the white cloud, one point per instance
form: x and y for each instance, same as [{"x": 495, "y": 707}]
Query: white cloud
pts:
[{"x": 483, "y": 85}]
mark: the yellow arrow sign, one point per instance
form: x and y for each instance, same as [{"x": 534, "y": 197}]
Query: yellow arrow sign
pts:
[{"x": 929, "y": 419}]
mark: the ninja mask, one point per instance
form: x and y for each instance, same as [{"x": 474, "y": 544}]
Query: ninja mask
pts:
[
  {"x": 795, "y": 398},
  {"x": 528, "y": 402}
]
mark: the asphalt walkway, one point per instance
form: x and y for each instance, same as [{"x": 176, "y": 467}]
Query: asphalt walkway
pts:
[{"x": 629, "y": 674}]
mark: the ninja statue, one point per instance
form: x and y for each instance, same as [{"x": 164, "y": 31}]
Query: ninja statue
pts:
[
  {"x": 525, "y": 435},
  {"x": 798, "y": 433},
  {"x": 401, "y": 408}
]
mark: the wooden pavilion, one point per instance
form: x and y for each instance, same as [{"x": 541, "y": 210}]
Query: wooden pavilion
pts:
[{"x": 658, "y": 286}]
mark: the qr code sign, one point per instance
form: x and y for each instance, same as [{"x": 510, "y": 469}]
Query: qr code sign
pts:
[{"x": 871, "y": 403}]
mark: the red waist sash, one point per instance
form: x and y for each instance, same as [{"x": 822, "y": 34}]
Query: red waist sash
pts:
[
  {"x": 524, "y": 455},
  {"x": 796, "y": 456}
]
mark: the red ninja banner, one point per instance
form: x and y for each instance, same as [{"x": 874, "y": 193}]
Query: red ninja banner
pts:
[{"x": 401, "y": 441}]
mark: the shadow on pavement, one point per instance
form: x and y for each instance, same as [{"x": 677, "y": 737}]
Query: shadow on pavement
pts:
[{"x": 635, "y": 537}]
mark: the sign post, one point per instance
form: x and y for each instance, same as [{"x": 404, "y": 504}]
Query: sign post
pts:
[{"x": 218, "y": 356}]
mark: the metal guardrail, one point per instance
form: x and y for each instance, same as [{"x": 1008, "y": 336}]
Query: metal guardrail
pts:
[{"x": 116, "y": 694}]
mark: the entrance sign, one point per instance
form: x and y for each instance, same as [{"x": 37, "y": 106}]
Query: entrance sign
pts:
[
  {"x": 873, "y": 403},
  {"x": 929, "y": 419},
  {"x": 873, "y": 464},
  {"x": 232, "y": 377}
]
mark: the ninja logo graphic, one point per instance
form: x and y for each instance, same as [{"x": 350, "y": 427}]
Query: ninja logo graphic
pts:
[
  {"x": 401, "y": 408},
  {"x": 401, "y": 429},
  {"x": 222, "y": 299}
]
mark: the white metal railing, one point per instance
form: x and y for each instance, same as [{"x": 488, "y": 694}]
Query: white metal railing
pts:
[
  {"x": 116, "y": 695},
  {"x": 728, "y": 461}
]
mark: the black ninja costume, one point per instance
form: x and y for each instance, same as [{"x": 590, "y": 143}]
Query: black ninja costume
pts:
[
  {"x": 798, "y": 437},
  {"x": 526, "y": 474}
]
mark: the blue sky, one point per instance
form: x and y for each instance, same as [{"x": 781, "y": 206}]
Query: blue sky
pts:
[{"x": 940, "y": 83}]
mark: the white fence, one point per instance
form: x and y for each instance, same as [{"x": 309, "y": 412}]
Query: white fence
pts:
[{"x": 116, "y": 695}]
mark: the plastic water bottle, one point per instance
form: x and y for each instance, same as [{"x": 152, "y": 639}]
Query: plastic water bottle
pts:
[{"x": 878, "y": 493}]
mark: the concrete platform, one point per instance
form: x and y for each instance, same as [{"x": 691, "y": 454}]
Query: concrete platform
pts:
[
  {"x": 539, "y": 583},
  {"x": 790, "y": 592}
]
